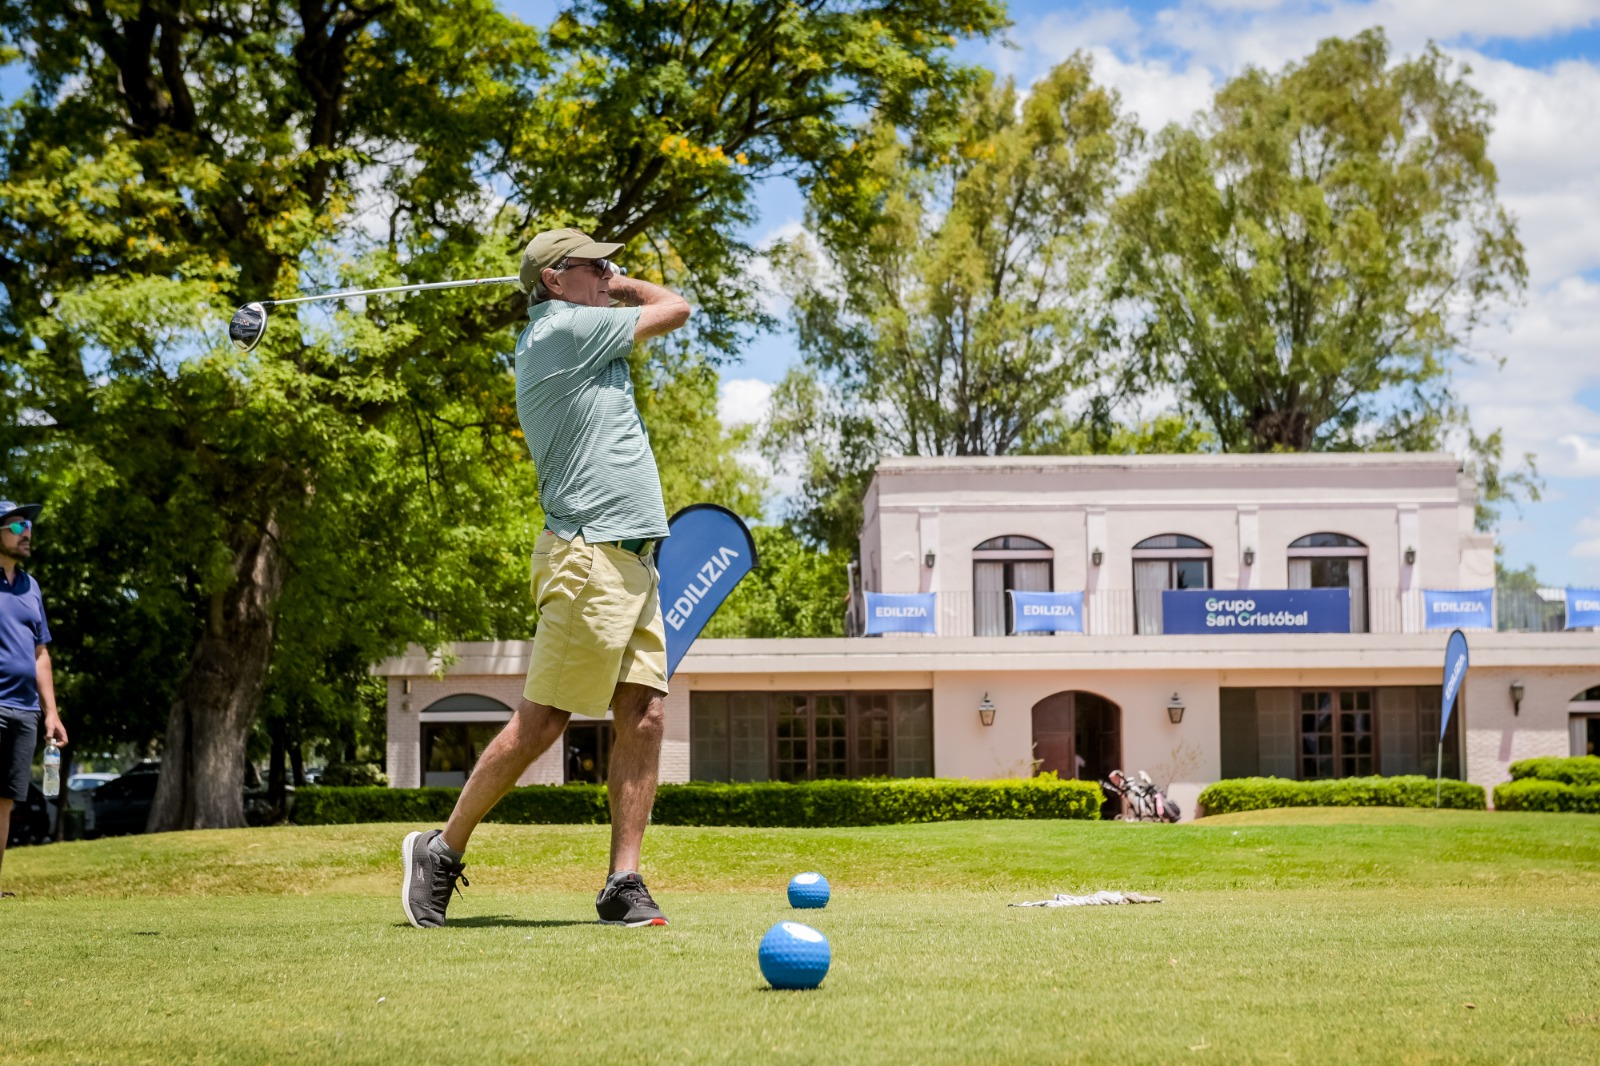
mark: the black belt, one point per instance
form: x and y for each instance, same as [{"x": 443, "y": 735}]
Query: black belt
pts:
[{"x": 636, "y": 545}]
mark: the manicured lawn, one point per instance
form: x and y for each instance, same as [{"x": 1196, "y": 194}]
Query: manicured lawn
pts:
[{"x": 1290, "y": 936}]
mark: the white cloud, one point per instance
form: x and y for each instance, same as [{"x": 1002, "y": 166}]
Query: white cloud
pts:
[
  {"x": 1550, "y": 346},
  {"x": 1588, "y": 548},
  {"x": 1586, "y": 456},
  {"x": 1227, "y": 35},
  {"x": 742, "y": 401}
]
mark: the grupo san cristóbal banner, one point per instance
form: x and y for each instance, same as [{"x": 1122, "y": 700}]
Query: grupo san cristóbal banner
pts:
[{"x": 1255, "y": 611}]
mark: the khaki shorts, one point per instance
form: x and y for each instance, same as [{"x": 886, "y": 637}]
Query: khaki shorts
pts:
[{"x": 599, "y": 625}]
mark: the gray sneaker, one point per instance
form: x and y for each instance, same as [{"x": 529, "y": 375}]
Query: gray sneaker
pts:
[
  {"x": 625, "y": 901},
  {"x": 429, "y": 880}
]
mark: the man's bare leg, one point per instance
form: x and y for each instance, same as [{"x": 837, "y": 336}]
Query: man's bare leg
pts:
[
  {"x": 526, "y": 737},
  {"x": 639, "y": 718}
]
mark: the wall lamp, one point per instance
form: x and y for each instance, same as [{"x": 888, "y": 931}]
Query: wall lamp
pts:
[
  {"x": 1175, "y": 709},
  {"x": 927, "y": 560},
  {"x": 1411, "y": 556},
  {"x": 986, "y": 711},
  {"x": 1249, "y": 557},
  {"x": 1097, "y": 557},
  {"x": 1516, "y": 697}
]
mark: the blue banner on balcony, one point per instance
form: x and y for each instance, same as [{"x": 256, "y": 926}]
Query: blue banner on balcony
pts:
[
  {"x": 1046, "y": 612},
  {"x": 889, "y": 612},
  {"x": 1458, "y": 609},
  {"x": 1583, "y": 608},
  {"x": 1255, "y": 611}
]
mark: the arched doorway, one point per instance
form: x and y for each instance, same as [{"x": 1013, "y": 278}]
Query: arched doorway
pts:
[{"x": 1077, "y": 734}]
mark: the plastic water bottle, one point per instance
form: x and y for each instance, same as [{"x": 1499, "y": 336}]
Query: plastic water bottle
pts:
[{"x": 52, "y": 770}]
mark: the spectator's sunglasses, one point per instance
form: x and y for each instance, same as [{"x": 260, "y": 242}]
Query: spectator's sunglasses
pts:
[{"x": 19, "y": 526}]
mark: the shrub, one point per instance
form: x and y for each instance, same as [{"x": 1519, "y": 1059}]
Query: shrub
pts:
[
  {"x": 1262, "y": 793},
  {"x": 352, "y": 775},
  {"x": 1540, "y": 794},
  {"x": 813, "y": 804},
  {"x": 1580, "y": 770}
]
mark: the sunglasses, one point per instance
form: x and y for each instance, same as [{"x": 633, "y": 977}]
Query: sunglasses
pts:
[
  {"x": 601, "y": 267},
  {"x": 19, "y": 526}
]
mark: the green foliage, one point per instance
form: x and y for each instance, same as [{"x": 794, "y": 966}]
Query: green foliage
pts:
[
  {"x": 950, "y": 300},
  {"x": 797, "y": 591},
  {"x": 1545, "y": 794},
  {"x": 1316, "y": 251},
  {"x": 1262, "y": 793},
  {"x": 271, "y": 522},
  {"x": 1577, "y": 770},
  {"x": 352, "y": 775},
  {"x": 813, "y": 804}
]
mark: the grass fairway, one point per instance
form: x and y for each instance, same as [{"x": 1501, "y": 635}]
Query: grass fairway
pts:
[{"x": 1315, "y": 936}]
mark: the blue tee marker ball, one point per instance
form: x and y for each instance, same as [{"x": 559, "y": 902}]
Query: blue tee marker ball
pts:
[
  {"x": 808, "y": 890},
  {"x": 794, "y": 956}
]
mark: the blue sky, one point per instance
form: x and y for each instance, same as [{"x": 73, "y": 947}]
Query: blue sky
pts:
[{"x": 1538, "y": 61}]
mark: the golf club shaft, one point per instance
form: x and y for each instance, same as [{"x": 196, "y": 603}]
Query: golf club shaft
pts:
[{"x": 392, "y": 288}]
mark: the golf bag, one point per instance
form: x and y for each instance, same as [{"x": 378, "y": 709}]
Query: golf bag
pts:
[{"x": 1144, "y": 802}]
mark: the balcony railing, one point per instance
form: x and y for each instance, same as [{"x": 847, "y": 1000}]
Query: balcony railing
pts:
[{"x": 1125, "y": 612}]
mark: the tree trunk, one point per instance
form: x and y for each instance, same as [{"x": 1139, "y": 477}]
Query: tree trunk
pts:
[
  {"x": 297, "y": 762},
  {"x": 202, "y": 767}
]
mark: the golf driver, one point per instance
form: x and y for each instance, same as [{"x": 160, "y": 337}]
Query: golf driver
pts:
[{"x": 249, "y": 323}]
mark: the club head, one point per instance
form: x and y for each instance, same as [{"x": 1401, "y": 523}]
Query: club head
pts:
[{"x": 248, "y": 326}]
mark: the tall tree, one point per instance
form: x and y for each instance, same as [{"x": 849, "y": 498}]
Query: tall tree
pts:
[
  {"x": 175, "y": 157},
  {"x": 950, "y": 303},
  {"x": 1309, "y": 259}
]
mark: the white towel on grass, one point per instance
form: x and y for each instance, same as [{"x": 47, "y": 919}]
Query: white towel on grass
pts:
[{"x": 1099, "y": 899}]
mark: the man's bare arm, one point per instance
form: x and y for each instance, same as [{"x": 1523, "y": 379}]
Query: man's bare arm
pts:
[
  {"x": 664, "y": 310},
  {"x": 45, "y": 677}
]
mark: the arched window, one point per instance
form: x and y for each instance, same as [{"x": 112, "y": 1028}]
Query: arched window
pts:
[
  {"x": 455, "y": 730},
  {"x": 1001, "y": 564},
  {"x": 1332, "y": 561},
  {"x": 1167, "y": 561}
]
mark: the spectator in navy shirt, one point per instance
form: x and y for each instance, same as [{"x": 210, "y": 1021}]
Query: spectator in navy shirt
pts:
[{"x": 27, "y": 688}]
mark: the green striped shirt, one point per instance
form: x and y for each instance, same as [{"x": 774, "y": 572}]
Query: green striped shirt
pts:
[{"x": 597, "y": 474}]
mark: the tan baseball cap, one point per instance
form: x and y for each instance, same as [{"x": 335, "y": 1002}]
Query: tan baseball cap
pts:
[{"x": 553, "y": 245}]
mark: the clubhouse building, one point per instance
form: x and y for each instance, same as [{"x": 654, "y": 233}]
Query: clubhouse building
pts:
[{"x": 1198, "y": 617}]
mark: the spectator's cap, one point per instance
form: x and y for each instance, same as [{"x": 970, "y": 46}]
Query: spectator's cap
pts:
[
  {"x": 30, "y": 511},
  {"x": 553, "y": 245}
]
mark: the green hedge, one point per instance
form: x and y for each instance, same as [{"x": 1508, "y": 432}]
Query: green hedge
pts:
[
  {"x": 1537, "y": 794},
  {"x": 1262, "y": 793},
  {"x": 1581, "y": 770},
  {"x": 817, "y": 803}
]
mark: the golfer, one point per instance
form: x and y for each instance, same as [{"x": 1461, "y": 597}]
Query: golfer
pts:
[
  {"x": 600, "y": 643},
  {"x": 26, "y": 683}
]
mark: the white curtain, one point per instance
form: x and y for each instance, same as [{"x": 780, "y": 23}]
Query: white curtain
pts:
[
  {"x": 1150, "y": 578},
  {"x": 1299, "y": 573},
  {"x": 1358, "y": 595},
  {"x": 989, "y": 599}
]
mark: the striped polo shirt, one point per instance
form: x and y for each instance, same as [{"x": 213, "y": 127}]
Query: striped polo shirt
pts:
[{"x": 597, "y": 474}]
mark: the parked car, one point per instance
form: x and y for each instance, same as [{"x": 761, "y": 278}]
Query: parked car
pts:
[
  {"x": 88, "y": 782},
  {"x": 33, "y": 820},
  {"x": 123, "y": 806}
]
